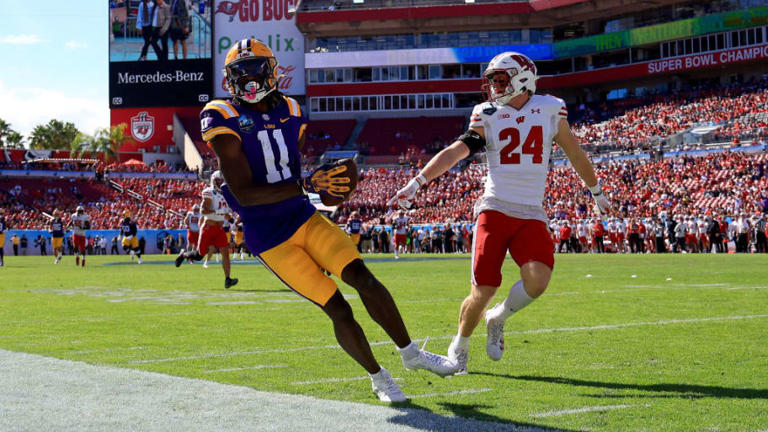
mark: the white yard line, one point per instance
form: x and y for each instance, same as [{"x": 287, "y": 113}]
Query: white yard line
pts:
[
  {"x": 107, "y": 350},
  {"x": 583, "y": 410},
  {"x": 522, "y": 332},
  {"x": 42, "y": 393},
  {"x": 333, "y": 380},
  {"x": 458, "y": 392},
  {"x": 246, "y": 368}
]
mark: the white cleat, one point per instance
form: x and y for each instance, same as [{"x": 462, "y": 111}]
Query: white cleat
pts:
[
  {"x": 385, "y": 387},
  {"x": 435, "y": 363},
  {"x": 140, "y": 261},
  {"x": 494, "y": 324},
  {"x": 459, "y": 355},
  {"x": 205, "y": 264}
]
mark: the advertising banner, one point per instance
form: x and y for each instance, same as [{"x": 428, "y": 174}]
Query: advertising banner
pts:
[
  {"x": 423, "y": 56},
  {"x": 713, "y": 23},
  {"x": 656, "y": 67},
  {"x": 268, "y": 21},
  {"x": 159, "y": 53}
]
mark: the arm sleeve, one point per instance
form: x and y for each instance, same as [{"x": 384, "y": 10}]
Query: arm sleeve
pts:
[{"x": 217, "y": 118}]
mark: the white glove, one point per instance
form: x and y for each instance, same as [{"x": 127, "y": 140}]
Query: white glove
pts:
[
  {"x": 602, "y": 205},
  {"x": 404, "y": 196}
]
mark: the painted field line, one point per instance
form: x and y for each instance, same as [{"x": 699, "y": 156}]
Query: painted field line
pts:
[
  {"x": 107, "y": 350},
  {"x": 584, "y": 410},
  {"x": 458, "y": 392},
  {"x": 747, "y": 287},
  {"x": 233, "y": 354},
  {"x": 246, "y": 368},
  {"x": 334, "y": 380},
  {"x": 522, "y": 332}
]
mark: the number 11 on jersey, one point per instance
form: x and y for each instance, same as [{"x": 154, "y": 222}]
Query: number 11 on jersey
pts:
[{"x": 279, "y": 171}]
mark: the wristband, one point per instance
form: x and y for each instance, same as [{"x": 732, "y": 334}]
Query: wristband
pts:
[
  {"x": 420, "y": 179},
  {"x": 596, "y": 189}
]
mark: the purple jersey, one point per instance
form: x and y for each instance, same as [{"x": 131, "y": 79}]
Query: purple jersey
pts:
[{"x": 270, "y": 142}]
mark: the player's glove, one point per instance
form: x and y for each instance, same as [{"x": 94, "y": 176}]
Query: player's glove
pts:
[
  {"x": 602, "y": 205},
  {"x": 404, "y": 196},
  {"x": 329, "y": 179}
]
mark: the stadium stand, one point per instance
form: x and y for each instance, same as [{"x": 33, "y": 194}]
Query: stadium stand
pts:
[
  {"x": 327, "y": 134},
  {"x": 395, "y": 136}
]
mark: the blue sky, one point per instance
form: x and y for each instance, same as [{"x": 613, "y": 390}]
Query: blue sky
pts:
[{"x": 54, "y": 63}]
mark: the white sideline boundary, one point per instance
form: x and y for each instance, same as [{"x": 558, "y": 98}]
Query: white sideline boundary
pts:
[
  {"x": 43, "y": 393},
  {"x": 521, "y": 332},
  {"x": 257, "y": 367},
  {"x": 584, "y": 410}
]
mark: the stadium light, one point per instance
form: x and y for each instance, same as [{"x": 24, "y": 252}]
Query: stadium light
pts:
[
  {"x": 358, "y": 1},
  {"x": 469, "y": 1}
]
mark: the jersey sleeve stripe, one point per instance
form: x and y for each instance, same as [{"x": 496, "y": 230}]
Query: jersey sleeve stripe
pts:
[
  {"x": 226, "y": 109},
  {"x": 293, "y": 107},
  {"x": 221, "y": 130}
]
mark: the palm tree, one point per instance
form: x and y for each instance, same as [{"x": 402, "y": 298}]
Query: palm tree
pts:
[
  {"x": 107, "y": 141},
  {"x": 56, "y": 135},
  {"x": 9, "y": 138},
  {"x": 14, "y": 140}
]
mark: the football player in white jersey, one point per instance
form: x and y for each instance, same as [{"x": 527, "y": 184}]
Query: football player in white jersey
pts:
[
  {"x": 215, "y": 212},
  {"x": 517, "y": 129},
  {"x": 81, "y": 222},
  {"x": 192, "y": 222},
  {"x": 400, "y": 231}
]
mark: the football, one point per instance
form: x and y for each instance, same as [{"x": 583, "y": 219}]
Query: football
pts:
[{"x": 350, "y": 172}]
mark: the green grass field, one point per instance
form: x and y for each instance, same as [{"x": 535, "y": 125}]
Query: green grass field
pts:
[{"x": 652, "y": 342}]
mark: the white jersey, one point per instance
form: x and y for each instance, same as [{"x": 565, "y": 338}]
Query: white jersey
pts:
[
  {"x": 401, "y": 225},
  {"x": 581, "y": 230},
  {"x": 518, "y": 147},
  {"x": 78, "y": 221},
  {"x": 218, "y": 203},
  {"x": 193, "y": 221}
]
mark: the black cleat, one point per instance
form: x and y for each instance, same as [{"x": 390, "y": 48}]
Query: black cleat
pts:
[
  {"x": 180, "y": 259},
  {"x": 229, "y": 282}
]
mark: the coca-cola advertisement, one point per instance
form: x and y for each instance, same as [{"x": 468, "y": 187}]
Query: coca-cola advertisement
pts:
[{"x": 270, "y": 21}]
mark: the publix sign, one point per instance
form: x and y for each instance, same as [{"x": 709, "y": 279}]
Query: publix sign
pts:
[{"x": 268, "y": 21}]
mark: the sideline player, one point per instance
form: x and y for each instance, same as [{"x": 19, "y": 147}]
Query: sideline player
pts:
[
  {"x": 192, "y": 222},
  {"x": 3, "y": 228},
  {"x": 57, "y": 236},
  {"x": 400, "y": 230},
  {"x": 239, "y": 239},
  {"x": 257, "y": 136},
  {"x": 130, "y": 236},
  {"x": 215, "y": 212},
  {"x": 81, "y": 222},
  {"x": 354, "y": 227},
  {"x": 517, "y": 129}
]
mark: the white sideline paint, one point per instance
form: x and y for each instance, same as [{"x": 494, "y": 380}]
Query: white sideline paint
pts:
[
  {"x": 245, "y": 368},
  {"x": 332, "y": 380},
  {"x": 458, "y": 392},
  {"x": 583, "y": 410},
  {"x": 521, "y": 332},
  {"x": 41, "y": 393},
  {"x": 107, "y": 350}
]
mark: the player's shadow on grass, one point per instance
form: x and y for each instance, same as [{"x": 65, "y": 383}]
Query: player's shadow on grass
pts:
[
  {"x": 664, "y": 389},
  {"x": 467, "y": 418}
]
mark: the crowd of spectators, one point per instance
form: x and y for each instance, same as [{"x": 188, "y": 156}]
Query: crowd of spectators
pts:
[
  {"x": 732, "y": 181},
  {"x": 632, "y": 125},
  {"x": 26, "y": 200}
]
